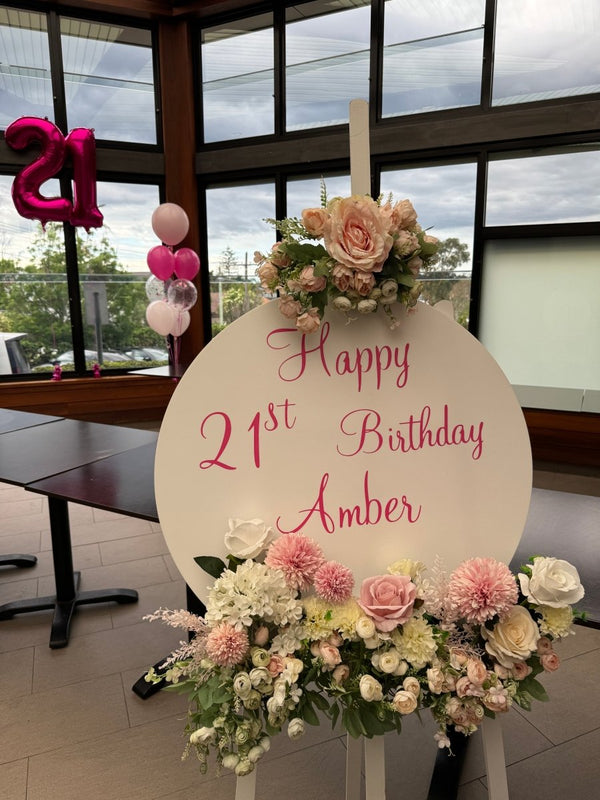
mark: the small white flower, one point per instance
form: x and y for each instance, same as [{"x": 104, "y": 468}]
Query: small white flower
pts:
[
  {"x": 202, "y": 735},
  {"x": 366, "y": 306},
  {"x": 370, "y": 689},
  {"x": 296, "y": 728}
]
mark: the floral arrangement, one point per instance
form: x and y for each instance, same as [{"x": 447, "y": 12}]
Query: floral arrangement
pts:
[
  {"x": 368, "y": 256},
  {"x": 286, "y": 635}
]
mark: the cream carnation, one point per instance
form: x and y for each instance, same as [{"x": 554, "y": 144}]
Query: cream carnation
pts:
[
  {"x": 416, "y": 643},
  {"x": 557, "y": 622}
]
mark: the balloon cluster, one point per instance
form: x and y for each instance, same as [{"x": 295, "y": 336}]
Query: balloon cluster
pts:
[{"x": 170, "y": 288}]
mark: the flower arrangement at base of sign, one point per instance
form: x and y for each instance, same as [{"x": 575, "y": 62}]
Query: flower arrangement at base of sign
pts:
[
  {"x": 285, "y": 636},
  {"x": 370, "y": 256}
]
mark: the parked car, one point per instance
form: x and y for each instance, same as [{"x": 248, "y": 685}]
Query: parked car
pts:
[
  {"x": 12, "y": 358},
  {"x": 90, "y": 355},
  {"x": 147, "y": 354}
]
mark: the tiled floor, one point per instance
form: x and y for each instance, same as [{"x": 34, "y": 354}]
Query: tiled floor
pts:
[{"x": 72, "y": 729}]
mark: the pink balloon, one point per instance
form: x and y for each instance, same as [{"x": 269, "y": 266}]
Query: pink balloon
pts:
[
  {"x": 26, "y": 186},
  {"x": 170, "y": 223},
  {"x": 160, "y": 317},
  {"x": 161, "y": 262},
  {"x": 187, "y": 263},
  {"x": 181, "y": 324},
  {"x": 82, "y": 147}
]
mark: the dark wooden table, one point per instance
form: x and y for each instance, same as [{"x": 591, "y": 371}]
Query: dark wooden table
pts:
[{"x": 46, "y": 449}]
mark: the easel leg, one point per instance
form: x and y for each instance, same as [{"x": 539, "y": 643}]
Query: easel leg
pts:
[
  {"x": 245, "y": 788},
  {"x": 495, "y": 764},
  {"x": 354, "y": 752},
  {"x": 375, "y": 768}
]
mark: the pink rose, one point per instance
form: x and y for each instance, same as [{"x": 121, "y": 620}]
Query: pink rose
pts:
[
  {"x": 356, "y": 235},
  {"x": 276, "y": 665},
  {"x": 315, "y": 220},
  {"x": 520, "y": 670},
  {"x": 278, "y": 258},
  {"x": 464, "y": 688},
  {"x": 544, "y": 645},
  {"x": 311, "y": 282},
  {"x": 341, "y": 673},
  {"x": 404, "y": 215},
  {"x": 289, "y": 307},
  {"x": 388, "y": 600},
  {"x": 330, "y": 654},
  {"x": 364, "y": 282},
  {"x": 261, "y": 636},
  {"x": 342, "y": 277},
  {"x": 268, "y": 274},
  {"x": 309, "y": 321},
  {"x": 476, "y": 671},
  {"x": 550, "y": 661},
  {"x": 406, "y": 243},
  {"x": 415, "y": 264}
]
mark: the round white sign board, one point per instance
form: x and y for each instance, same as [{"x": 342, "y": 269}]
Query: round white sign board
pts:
[{"x": 379, "y": 444}]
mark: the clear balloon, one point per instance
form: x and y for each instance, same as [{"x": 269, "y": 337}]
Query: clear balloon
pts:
[
  {"x": 182, "y": 294},
  {"x": 156, "y": 289},
  {"x": 170, "y": 223},
  {"x": 182, "y": 323},
  {"x": 187, "y": 263},
  {"x": 160, "y": 317},
  {"x": 161, "y": 262}
]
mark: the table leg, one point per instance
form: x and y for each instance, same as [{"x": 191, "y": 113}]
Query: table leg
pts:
[
  {"x": 17, "y": 560},
  {"x": 67, "y": 596}
]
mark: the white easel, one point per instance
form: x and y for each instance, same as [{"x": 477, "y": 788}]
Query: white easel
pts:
[{"x": 373, "y": 749}]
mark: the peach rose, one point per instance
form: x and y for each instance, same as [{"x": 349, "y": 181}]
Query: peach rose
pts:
[
  {"x": 404, "y": 702},
  {"x": 357, "y": 234},
  {"x": 476, "y": 671},
  {"x": 550, "y": 661},
  {"x": 278, "y": 258},
  {"x": 330, "y": 655},
  {"x": 388, "y": 600},
  {"x": 520, "y": 670},
  {"x": 289, "y": 307},
  {"x": 275, "y": 665},
  {"x": 309, "y": 321},
  {"x": 342, "y": 277},
  {"x": 315, "y": 220},
  {"x": 268, "y": 274},
  {"x": 364, "y": 282},
  {"x": 311, "y": 282},
  {"x": 341, "y": 673}
]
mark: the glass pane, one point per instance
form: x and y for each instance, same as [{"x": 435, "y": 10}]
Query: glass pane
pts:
[
  {"x": 109, "y": 80},
  {"x": 306, "y": 192},
  {"x": 433, "y": 54},
  {"x": 237, "y": 79},
  {"x": 543, "y": 329},
  {"x": 113, "y": 274},
  {"x": 444, "y": 199},
  {"x": 327, "y": 61},
  {"x": 34, "y": 302},
  {"x": 236, "y": 228},
  {"x": 545, "y": 49},
  {"x": 561, "y": 187},
  {"x": 25, "y": 85}
]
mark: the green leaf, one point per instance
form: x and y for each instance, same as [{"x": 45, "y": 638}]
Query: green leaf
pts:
[
  {"x": 320, "y": 701},
  {"x": 309, "y": 714},
  {"x": 534, "y": 688},
  {"x": 211, "y": 564},
  {"x": 335, "y": 712}
]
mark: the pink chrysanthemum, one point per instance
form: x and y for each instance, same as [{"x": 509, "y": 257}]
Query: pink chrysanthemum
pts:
[
  {"x": 479, "y": 589},
  {"x": 298, "y": 557},
  {"x": 226, "y": 646},
  {"x": 334, "y": 582}
]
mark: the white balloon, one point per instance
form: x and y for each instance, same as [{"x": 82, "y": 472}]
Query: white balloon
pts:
[
  {"x": 181, "y": 324},
  {"x": 160, "y": 316}
]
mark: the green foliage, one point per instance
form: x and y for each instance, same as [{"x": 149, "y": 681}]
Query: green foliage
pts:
[{"x": 35, "y": 298}]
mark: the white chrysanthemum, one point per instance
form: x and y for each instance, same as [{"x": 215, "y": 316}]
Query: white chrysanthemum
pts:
[
  {"x": 556, "y": 621},
  {"x": 416, "y": 644},
  {"x": 253, "y": 591},
  {"x": 322, "y": 618}
]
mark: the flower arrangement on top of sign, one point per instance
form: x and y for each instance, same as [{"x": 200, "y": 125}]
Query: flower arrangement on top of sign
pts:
[
  {"x": 354, "y": 253},
  {"x": 286, "y": 635}
]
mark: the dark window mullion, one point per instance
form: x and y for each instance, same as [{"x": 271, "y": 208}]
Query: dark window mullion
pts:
[
  {"x": 279, "y": 88},
  {"x": 71, "y": 264},
  {"x": 478, "y": 243},
  {"x": 487, "y": 73},
  {"x": 376, "y": 62}
]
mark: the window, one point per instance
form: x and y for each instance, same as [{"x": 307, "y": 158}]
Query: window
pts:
[
  {"x": 237, "y": 79},
  {"x": 109, "y": 80},
  {"x": 540, "y": 321},
  {"x": 547, "y": 187},
  {"x": 444, "y": 198},
  {"x": 306, "y": 192},
  {"x": 545, "y": 49},
  {"x": 24, "y": 66},
  {"x": 327, "y": 61},
  {"x": 432, "y": 55},
  {"x": 236, "y": 228}
]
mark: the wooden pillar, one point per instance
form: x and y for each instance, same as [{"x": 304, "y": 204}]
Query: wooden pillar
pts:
[{"x": 179, "y": 137}]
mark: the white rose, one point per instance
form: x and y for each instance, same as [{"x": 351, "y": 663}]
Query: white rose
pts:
[
  {"x": 248, "y": 538},
  {"x": 553, "y": 583},
  {"x": 342, "y": 303},
  {"x": 255, "y": 754},
  {"x": 389, "y": 288},
  {"x": 201, "y": 735},
  {"x": 365, "y": 627},
  {"x": 412, "y": 685},
  {"x": 513, "y": 639},
  {"x": 389, "y": 662},
  {"x": 404, "y": 702},
  {"x": 366, "y": 306},
  {"x": 242, "y": 685},
  {"x": 230, "y": 761},
  {"x": 370, "y": 689},
  {"x": 296, "y": 728}
]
